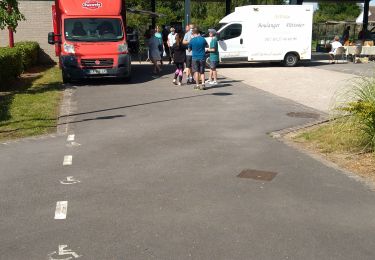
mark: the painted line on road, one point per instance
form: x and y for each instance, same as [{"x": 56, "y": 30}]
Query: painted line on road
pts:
[
  {"x": 61, "y": 209},
  {"x": 68, "y": 160},
  {"x": 70, "y": 138}
]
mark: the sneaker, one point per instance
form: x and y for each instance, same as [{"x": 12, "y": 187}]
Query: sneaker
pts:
[
  {"x": 202, "y": 87},
  {"x": 179, "y": 83},
  {"x": 196, "y": 87},
  {"x": 175, "y": 82},
  {"x": 208, "y": 81},
  {"x": 214, "y": 82},
  {"x": 188, "y": 82}
]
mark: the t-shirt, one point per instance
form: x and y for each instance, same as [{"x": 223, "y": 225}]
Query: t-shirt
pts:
[
  {"x": 188, "y": 36},
  {"x": 172, "y": 39},
  {"x": 335, "y": 45},
  {"x": 159, "y": 36},
  {"x": 197, "y": 46},
  {"x": 214, "y": 56}
]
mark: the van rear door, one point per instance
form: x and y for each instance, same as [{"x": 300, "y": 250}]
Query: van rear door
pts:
[{"x": 231, "y": 43}]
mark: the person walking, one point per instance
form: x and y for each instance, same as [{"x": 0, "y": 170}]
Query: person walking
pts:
[
  {"x": 171, "y": 41},
  {"x": 154, "y": 46},
  {"x": 214, "y": 57},
  {"x": 198, "y": 46},
  {"x": 159, "y": 36},
  {"x": 187, "y": 38},
  {"x": 178, "y": 50}
]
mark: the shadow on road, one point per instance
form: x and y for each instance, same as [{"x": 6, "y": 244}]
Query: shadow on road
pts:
[{"x": 146, "y": 103}]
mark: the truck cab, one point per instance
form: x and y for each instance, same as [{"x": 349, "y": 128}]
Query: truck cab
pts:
[{"x": 90, "y": 39}]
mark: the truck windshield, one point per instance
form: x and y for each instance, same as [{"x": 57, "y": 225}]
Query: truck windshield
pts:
[{"x": 93, "y": 29}]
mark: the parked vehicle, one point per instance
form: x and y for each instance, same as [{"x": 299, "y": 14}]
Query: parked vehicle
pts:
[
  {"x": 90, "y": 39},
  {"x": 258, "y": 33}
]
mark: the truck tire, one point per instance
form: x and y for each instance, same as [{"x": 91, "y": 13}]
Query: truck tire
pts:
[
  {"x": 291, "y": 59},
  {"x": 65, "y": 78}
]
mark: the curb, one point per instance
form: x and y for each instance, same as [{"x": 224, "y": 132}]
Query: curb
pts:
[
  {"x": 66, "y": 109},
  {"x": 280, "y": 136}
]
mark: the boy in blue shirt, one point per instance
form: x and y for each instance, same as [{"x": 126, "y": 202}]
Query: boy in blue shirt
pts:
[{"x": 198, "y": 47}]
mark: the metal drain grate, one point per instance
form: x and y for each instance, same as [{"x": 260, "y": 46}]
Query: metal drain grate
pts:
[
  {"x": 257, "y": 175},
  {"x": 303, "y": 115}
]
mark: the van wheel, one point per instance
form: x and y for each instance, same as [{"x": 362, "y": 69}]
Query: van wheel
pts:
[{"x": 290, "y": 60}]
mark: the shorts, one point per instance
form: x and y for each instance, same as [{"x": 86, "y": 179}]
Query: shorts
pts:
[
  {"x": 189, "y": 59},
  {"x": 179, "y": 66},
  {"x": 199, "y": 66},
  {"x": 213, "y": 64}
]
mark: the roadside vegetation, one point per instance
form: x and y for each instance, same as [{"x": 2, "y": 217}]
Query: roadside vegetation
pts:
[
  {"x": 31, "y": 108},
  {"x": 29, "y": 94},
  {"x": 349, "y": 138}
]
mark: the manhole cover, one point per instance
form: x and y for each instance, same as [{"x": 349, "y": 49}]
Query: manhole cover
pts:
[
  {"x": 303, "y": 115},
  {"x": 257, "y": 175}
]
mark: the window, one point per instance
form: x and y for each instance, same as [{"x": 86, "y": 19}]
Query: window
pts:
[
  {"x": 93, "y": 29},
  {"x": 232, "y": 31}
]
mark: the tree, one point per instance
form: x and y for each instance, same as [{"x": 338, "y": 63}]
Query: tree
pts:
[
  {"x": 10, "y": 14},
  {"x": 336, "y": 12}
]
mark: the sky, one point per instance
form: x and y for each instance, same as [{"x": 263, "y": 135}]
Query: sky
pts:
[{"x": 372, "y": 2}]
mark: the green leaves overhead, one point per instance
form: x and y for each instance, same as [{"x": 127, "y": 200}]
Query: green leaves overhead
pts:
[
  {"x": 336, "y": 12},
  {"x": 9, "y": 19}
]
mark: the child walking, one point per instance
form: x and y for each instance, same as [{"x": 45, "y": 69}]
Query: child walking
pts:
[{"x": 179, "y": 56}]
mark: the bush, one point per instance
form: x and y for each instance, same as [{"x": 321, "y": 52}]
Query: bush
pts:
[
  {"x": 10, "y": 64},
  {"x": 359, "y": 108},
  {"x": 13, "y": 61},
  {"x": 29, "y": 52}
]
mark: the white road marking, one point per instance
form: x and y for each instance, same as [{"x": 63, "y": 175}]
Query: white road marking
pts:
[
  {"x": 68, "y": 160},
  {"x": 61, "y": 209},
  {"x": 70, "y": 180},
  {"x": 70, "y": 138},
  {"x": 63, "y": 251},
  {"x": 73, "y": 144}
]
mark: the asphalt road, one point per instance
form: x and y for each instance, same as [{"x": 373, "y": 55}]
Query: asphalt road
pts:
[{"x": 157, "y": 167}]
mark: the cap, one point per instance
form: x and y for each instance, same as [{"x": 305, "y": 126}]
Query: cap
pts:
[{"x": 212, "y": 31}]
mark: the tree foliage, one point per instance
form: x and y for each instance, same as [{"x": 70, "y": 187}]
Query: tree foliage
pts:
[
  {"x": 10, "y": 19},
  {"x": 337, "y": 12},
  {"x": 204, "y": 14}
]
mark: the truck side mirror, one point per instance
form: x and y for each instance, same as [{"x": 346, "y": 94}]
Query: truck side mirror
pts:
[{"x": 51, "y": 38}]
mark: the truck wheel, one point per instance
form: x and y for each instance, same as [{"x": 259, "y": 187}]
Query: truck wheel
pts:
[
  {"x": 65, "y": 78},
  {"x": 290, "y": 60}
]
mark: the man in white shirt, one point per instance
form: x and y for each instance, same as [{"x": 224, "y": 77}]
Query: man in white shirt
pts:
[
  {"x": 170, "y": 42},
  {"x": 334, "y": 45}
]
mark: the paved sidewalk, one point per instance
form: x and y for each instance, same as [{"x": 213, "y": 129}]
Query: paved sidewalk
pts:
[{"x": 312, "y": 84}]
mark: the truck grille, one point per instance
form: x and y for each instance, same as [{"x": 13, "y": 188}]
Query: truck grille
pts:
[{"x": 96, "y": 63}]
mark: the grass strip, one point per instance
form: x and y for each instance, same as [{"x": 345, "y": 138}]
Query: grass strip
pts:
[{"x": 32, "y": 108}]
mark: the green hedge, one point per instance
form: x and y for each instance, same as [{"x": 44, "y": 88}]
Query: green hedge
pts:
[
  {"x": 10, "y": 64},
  {"x": 29, "y": 52},
  {"x": 13, "y": 61}
]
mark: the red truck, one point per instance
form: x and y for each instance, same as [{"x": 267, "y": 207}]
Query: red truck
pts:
[{"x": 90, "y": 39}]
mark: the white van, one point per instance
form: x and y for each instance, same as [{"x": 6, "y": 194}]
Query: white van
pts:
[{"x": 258, "y": 33}]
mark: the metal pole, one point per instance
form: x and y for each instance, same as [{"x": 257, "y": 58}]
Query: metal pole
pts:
[
  {"x": 187, "y": 12},
  {"x": 228, "y": 4},
  {"x": 153, "y": 9},
  {"x": 365, "y": 17}
]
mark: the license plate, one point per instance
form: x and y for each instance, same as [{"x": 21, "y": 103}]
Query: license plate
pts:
[{"x": 97, "y": 71}]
